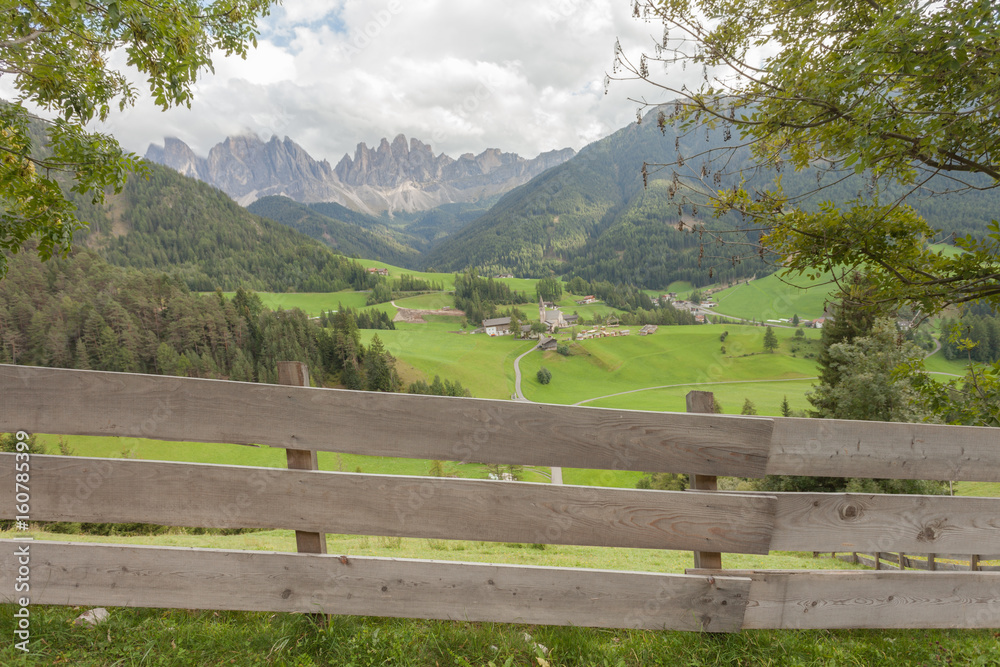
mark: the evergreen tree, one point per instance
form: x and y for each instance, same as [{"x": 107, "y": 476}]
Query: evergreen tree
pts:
[
  {"x": 786, "y": 410},
  {"x": 847, "y": 321},
  {"x": 770, "y": 340}
]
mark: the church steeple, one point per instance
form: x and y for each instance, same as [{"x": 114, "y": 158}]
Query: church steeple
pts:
[{"x": 541, "y": 310}]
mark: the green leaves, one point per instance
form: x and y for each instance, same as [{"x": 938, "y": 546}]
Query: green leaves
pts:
[
  {"x": 895, "y": 92},
  {"x": 57, "y": 56}
]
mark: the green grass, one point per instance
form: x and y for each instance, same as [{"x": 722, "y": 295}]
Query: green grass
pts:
[
  {"x": 446, "y": 280},
  {"x": 766, "y": 397},
  {"x": 983, "y": 489},
  {"x": 774, "y": 298},
  {"x": 267, "y": 457},
  {"x": 312, "y": 303},
  {"x": 936, "y": 363},
  {"x": 674, "y": 355},
  {"x": 482, "y": 364},
  {"x": 433, "y": 301}
]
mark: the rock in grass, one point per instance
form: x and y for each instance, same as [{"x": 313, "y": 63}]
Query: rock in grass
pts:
[{"x": 92, "y": 617}]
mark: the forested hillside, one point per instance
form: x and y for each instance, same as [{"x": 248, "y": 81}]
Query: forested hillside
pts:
[
  {"x": 597, "y": 217},
  {"x": 81, "y": 312},
  {"x": 351, "y": 233},
  {"x": 189, "y": 229},
  {"x": 593, "y": 217}
]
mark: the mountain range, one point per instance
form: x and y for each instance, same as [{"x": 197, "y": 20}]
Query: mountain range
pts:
[
  {"x": 594, "y": 215},
  {"x": 396, "y": 176}
]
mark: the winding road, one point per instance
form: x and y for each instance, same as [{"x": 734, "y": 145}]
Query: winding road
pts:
[{"x": 518, "y": 396}]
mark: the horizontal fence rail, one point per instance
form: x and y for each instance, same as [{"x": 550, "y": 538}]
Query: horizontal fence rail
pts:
[
  {"x": 217, "y": 496},
  {"x": 845, "y": 599},
  {"x": 313, "y": 503},
  {"x": 47, "y": 400},
  {"x": 170, "y": 577}
]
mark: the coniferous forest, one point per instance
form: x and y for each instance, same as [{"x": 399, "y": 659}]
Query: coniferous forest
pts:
[{"x": 81, "y": 312}]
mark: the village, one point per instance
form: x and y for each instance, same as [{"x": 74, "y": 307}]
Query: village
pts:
[{"x": 551, "y": 320}]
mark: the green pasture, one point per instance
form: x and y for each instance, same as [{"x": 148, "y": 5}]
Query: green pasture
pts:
[
  {"x": 936, "y": 363},
  {"x": 482, "y": 364},
  {"x": 432, "y": 301},
  {"x": 256, "y": 456},
  {"x": 312, "y": 303},
  {"x": 447, "y": 280},
  {"x": 674, "y": 355},
  {"x": 773, "y": 298},
  {"x": 766, "y": 396}
]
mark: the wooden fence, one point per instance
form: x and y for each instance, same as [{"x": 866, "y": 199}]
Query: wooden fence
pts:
[
  {"x": 886, "y": 560},
  {"x": 311, "y": 502}
]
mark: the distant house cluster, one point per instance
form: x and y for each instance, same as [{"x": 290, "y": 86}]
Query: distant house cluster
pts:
[
  {"x": 504, "y": 275},
  {"x": 553, "y": 319},
  {"x": 590, "y": 298},
  {"x": 376, "y": 270},
  {"x": 602, "y": 332}
]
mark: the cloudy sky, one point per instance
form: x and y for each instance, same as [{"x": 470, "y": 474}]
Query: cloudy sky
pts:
[{"x": 522, "y": 75}]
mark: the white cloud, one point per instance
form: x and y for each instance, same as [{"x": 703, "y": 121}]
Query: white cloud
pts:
[{"x": 464, "y": 76}]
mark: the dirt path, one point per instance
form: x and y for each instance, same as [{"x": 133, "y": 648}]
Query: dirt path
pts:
[{"x": 417, "y": 316}]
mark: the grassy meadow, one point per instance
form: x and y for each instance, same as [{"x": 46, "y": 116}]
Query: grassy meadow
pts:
[
  {"x": 688, "y": 355},
  {"x": 772, "y": 298},
  {"x": 637, "y": 373}
]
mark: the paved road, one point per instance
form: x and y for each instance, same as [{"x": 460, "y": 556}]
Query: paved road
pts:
[
  {"x": 556, "y": 474},
  {"x": 518, "y": 396}
]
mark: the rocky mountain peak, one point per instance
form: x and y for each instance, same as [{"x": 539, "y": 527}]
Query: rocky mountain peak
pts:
[{"x": 398, "y": 174}]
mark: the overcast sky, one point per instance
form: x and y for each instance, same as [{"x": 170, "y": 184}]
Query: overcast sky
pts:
[{"x": 522, "y": 75}]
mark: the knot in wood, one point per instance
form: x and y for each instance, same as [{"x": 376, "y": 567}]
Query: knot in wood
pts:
[
  {"x": 929, "y": 533},
  {"x": 850, "y": 512}
]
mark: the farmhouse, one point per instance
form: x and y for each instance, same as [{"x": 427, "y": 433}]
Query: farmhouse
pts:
[
  {"x": 590, "y": 298},
  {"x": 547, "y": 343},
  {"x": 378, "y": 271},
  {"x": 497, "y": 326}
]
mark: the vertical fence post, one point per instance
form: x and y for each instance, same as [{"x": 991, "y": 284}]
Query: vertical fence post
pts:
[
  {"x": 931, "y": 564},
  {"x": 703, "y": 401},
  {"x": 296, "y": 374},
  {"x": 974, "y": 563}
]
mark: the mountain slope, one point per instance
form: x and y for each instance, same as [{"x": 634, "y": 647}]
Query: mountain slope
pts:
[
  {"x": 596, "y": 216},
  {"x": 591, "y": 215},
  {"x": 192, "y": 230},
  {"x": 360, "y": 235}
]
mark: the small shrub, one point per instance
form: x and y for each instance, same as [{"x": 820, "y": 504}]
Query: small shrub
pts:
[{"x": 544, "y": 375}]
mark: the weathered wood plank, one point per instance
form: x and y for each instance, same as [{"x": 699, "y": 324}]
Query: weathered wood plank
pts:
[
  {"x": 46, "y": 400},
  {"x": 865, "y": 522},
  {"x": 187, "y": 494},
  {"x": 139, "y": 576},
  {"x": 843, "y": 448},
  {"x": 845, "y": 599}
]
